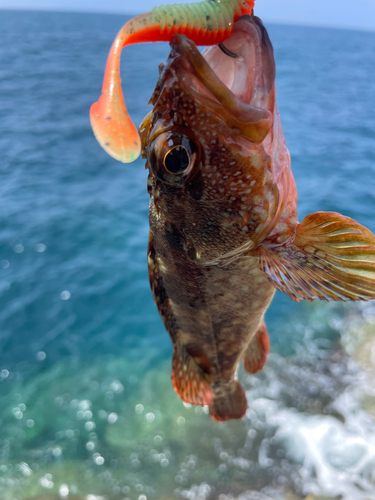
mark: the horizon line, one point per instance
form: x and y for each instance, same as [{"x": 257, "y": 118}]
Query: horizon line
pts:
[{"x": 302, "y": 24}]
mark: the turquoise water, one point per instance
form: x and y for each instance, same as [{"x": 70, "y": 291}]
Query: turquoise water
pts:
[{"x": 86, "y": 404}]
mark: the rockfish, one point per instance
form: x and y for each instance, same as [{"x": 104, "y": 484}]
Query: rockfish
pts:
[{"x": 224, "y": 232}]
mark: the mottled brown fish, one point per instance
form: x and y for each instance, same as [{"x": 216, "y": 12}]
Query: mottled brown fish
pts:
[{"x": 223, "y": 215}]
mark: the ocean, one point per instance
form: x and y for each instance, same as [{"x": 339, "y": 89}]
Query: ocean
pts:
[{"x": 87, "y": 410}]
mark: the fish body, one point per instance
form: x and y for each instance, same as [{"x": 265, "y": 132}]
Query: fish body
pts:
[{"x": 224, "y": 233}]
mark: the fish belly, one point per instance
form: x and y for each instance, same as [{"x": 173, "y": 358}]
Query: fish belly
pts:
[
  {"x": 236, "y": 299},
  {"x": 217, "y": 309}
]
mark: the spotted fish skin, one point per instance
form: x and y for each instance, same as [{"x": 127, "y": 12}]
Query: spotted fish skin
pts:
[{"x": 224, "y": 232}]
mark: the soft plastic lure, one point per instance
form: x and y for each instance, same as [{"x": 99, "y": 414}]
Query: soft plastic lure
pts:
[{"x": 206, "y": 23}]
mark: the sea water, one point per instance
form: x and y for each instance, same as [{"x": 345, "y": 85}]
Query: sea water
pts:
[{"x": 87, "y": 410}]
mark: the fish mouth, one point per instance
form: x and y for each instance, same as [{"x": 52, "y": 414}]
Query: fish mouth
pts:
[
  {"x": 241, "y": 88},
  {"x": 251, "y": 74}
]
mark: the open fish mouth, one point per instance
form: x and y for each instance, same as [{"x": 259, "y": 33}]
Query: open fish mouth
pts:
[
  {"x": 238, "y": 88},
  {"x": 250, "y": 76}
]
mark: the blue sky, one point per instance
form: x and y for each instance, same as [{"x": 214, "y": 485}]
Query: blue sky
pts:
[{"x": 358, "y": 14}]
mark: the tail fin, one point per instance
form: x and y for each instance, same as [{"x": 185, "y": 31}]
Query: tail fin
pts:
[{"x": 229, "y": 402}]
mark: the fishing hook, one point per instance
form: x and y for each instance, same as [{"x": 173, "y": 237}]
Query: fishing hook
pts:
[{"x": 226, "y": 51}]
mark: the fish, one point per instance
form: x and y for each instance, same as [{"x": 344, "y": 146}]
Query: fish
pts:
[{"x": 224, "y": 230}]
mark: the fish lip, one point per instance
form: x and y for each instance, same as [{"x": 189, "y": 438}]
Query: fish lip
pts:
[{"x": 252, "y": 122}]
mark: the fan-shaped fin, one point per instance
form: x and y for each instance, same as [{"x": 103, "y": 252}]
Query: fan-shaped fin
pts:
[
  {"x": 190, "y": 374},
  {"x": 332, "y": 257},
  {"x": 255, "y": 356}
]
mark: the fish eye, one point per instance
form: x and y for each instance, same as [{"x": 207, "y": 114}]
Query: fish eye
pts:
[
  {"x": 173, "y": 156},
  {"x": 177, "y": 160}
]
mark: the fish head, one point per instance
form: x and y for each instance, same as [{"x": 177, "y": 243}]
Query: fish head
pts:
[
  {"x": 205, "y": 92},
  {"x": 212, "y": 115}
]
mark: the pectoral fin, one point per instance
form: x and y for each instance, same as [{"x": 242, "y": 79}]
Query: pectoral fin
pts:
[{"x": 332, "y": 257}]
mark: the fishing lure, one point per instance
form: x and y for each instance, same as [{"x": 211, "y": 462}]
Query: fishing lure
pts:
[{"x": 205, "y": 23}]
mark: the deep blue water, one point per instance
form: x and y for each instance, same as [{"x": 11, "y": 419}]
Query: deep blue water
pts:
[{"x": 76, "y": 308}]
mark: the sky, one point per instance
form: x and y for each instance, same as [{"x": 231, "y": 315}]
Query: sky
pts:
[{"x": 336, "y": 13}]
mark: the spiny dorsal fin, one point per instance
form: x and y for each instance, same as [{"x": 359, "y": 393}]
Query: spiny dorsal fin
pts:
[{"x": 331, "y": 258}]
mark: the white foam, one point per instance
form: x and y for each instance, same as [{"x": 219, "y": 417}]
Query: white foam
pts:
[{"x": 336, "y": 458}]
